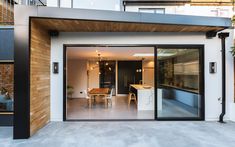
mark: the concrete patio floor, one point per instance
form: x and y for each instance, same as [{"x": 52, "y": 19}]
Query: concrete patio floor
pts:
[{"x": 127, "y": 134}]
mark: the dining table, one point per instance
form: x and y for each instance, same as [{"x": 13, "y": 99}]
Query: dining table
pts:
[{"x": 95, "y": 92}]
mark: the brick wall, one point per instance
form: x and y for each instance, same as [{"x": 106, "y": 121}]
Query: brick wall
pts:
[
  {"x": 7, "y": 77},
  {"x": 6, "y": 13}
]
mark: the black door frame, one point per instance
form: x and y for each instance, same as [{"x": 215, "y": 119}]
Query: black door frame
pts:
[{"x": 155, "y": 46}]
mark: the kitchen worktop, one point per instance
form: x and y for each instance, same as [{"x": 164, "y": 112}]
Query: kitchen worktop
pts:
[
  {"x": 146, "y": 97},
  {"x": 141, "y": 87},
  {"x": 180, "y": 88}
]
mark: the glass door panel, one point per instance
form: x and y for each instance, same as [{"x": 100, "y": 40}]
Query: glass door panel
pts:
[{"x": 179, "y": 82}]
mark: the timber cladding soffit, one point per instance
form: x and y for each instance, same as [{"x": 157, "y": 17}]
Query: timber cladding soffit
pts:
[{"x": 70, "y": 25}]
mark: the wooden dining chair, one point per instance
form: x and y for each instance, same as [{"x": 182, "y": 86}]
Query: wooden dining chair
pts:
[
  {"x": 88, "y": 89},
  {"x": 89, "y": 99},
  {"x": 131, "y": 96}
]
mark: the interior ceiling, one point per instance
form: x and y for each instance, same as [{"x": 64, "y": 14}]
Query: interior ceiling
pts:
[
  {"x": 108, "y": 53},
  {"x": 71, "y": 25},
  {"x": 122, "y": 53}
]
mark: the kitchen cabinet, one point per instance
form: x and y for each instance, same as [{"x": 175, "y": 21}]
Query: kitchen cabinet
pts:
[{"x": 189, "y": 68}]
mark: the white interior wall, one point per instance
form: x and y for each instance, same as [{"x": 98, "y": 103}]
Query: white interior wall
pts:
[
  {"x": 77, "y": 76},
  {"x": 148, "y": 72},
  {"x": 93, "y": 75},
  {"x": 212, "y": 54}
]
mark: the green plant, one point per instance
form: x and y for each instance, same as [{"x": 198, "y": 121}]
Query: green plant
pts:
[
  {"x": 70, "y": 90},
  {"x": 69, "y": 87},
  {"x": 233, "y": 51}
]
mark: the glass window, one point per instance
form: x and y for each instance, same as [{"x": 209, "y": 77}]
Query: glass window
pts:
[
  {"x": 220, "y": 12},
  {"x": 152, "y": 10},
  {"x": 52, "y": 3},
  {"x": 37, "y": 2},
  {"x": 97, "y": 4},
  {"x": 65, "y": 3},
  {"x": 179, "y": 83},
  {"x": 6, "y": 87},
  {"x": 160, "y": 10}
]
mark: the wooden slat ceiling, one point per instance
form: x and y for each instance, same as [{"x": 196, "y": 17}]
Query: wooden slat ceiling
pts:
[{"x": 63, "y": 25}]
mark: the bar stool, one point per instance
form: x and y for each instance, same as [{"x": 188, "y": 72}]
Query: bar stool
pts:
[{"x": 131, "y": 97}]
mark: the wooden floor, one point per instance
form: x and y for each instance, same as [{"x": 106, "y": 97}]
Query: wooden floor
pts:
[{"x": 77, "y": 108}]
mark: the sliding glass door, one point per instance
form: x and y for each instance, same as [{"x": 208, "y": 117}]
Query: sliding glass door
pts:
[
  {"x": 180, "y": 83},
  {"x": 104, "y": 82}
]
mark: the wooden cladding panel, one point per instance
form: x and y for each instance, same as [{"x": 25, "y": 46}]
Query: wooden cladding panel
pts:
[
  {"x": 105, "y": 26},
  {"x": 39, "y": 78}
]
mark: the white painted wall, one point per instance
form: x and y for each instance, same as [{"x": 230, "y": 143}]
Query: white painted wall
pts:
[
  {"x": 232, "y": 111},
  {"x": 77, "y": 76},
  {"x": 212, "y": 54},
  {"x": 232, "y": 103}
]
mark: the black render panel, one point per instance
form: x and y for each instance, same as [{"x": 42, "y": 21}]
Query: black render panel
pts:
[
  {"x": 64, "y": 83},
  {"x": 22, "y": 83},
  {"x": 6, "y": 120}
]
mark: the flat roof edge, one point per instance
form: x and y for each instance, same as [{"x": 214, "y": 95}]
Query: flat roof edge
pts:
[{"x": 131, "y": 17}]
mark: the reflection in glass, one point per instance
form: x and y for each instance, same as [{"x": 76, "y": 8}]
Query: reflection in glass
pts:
[
  {"x": 52, "y": 3},
  {"x": 65, "y": 4},
  {"x": 6, "y": 87},
  {"x": 178, "y": 83}
]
